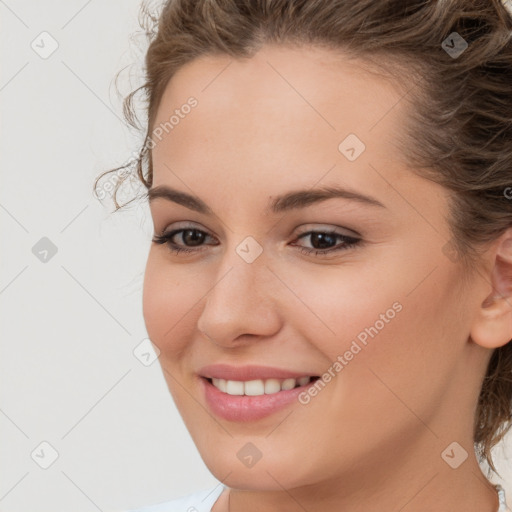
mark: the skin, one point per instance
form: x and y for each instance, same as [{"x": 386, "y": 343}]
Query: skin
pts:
[{"x": 372, "y": 438}]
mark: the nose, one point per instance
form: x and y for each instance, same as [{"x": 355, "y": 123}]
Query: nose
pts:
[{"x": 241, "y": 305}]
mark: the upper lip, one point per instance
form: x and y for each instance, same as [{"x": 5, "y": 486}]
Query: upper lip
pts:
[{"x": 249, "y": 372}]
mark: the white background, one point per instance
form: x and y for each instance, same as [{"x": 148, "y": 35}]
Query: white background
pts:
[{"x": 69, "y": 325}]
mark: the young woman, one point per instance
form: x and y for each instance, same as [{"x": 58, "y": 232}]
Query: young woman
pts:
[{"x": 330, "y": 279}]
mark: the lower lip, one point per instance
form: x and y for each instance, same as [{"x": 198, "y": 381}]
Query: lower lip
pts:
[{"x": 243, "y": 408}]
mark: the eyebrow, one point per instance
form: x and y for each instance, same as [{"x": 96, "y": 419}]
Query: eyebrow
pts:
[{"x": 289, "y": 201}]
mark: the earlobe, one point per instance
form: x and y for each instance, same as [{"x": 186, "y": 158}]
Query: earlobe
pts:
[{"x": 492, "y": 327}]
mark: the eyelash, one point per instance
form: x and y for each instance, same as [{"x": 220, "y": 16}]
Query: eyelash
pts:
[{"x": 348, "y": 241}]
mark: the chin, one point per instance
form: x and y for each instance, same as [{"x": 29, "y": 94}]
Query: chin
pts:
[{"x": 230, "y": 462}]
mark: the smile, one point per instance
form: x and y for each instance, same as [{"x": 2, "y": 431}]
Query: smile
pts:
[
  {"x": 251, "y": 393},
  {"x": 258, "y": 387}
]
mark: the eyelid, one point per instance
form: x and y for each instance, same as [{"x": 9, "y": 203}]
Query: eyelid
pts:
[
  {"x": 185, "y": 224},
  {"x": 329, "y": 228}
]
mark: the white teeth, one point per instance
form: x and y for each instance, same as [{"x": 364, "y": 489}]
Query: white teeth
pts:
[
  {"x": 254, "y": 387},
  {"x": 304, "y": 380},
  {"x": 272, "y": 386},
  {"x": 234, "y": 387},
  {"x": 258, "y": 387},
  {"x": 288, "y": 384},
  {"x": 220, "y": 384}
]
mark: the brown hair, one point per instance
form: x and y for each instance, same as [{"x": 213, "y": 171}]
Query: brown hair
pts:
[{"x": 458, "y": 133}]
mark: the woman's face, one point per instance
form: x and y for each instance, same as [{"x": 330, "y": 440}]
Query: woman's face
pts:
[{"x": 258, "y": 143}]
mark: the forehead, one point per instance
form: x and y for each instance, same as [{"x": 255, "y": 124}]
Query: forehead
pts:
[
  {"x": 277, "y": 117},
  {"x": 309, "y": 83}
]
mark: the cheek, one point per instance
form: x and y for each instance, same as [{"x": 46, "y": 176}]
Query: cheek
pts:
[
  {"x": 169, "y": 295},
  {"x": 330, "y": 307},
  {"x": 382, "y": 321},
  {"x": 411, "y": 359}
]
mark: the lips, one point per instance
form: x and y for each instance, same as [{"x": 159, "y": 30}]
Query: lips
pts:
[{"x": 250, "y": 393}]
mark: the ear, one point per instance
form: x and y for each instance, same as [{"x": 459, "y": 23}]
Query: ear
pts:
[{"x": 492, "y": 326}]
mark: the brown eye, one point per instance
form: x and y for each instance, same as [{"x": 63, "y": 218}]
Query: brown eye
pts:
[
  {"x": 325, "y": 242},
  {"x": 191, "y": 237}
]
